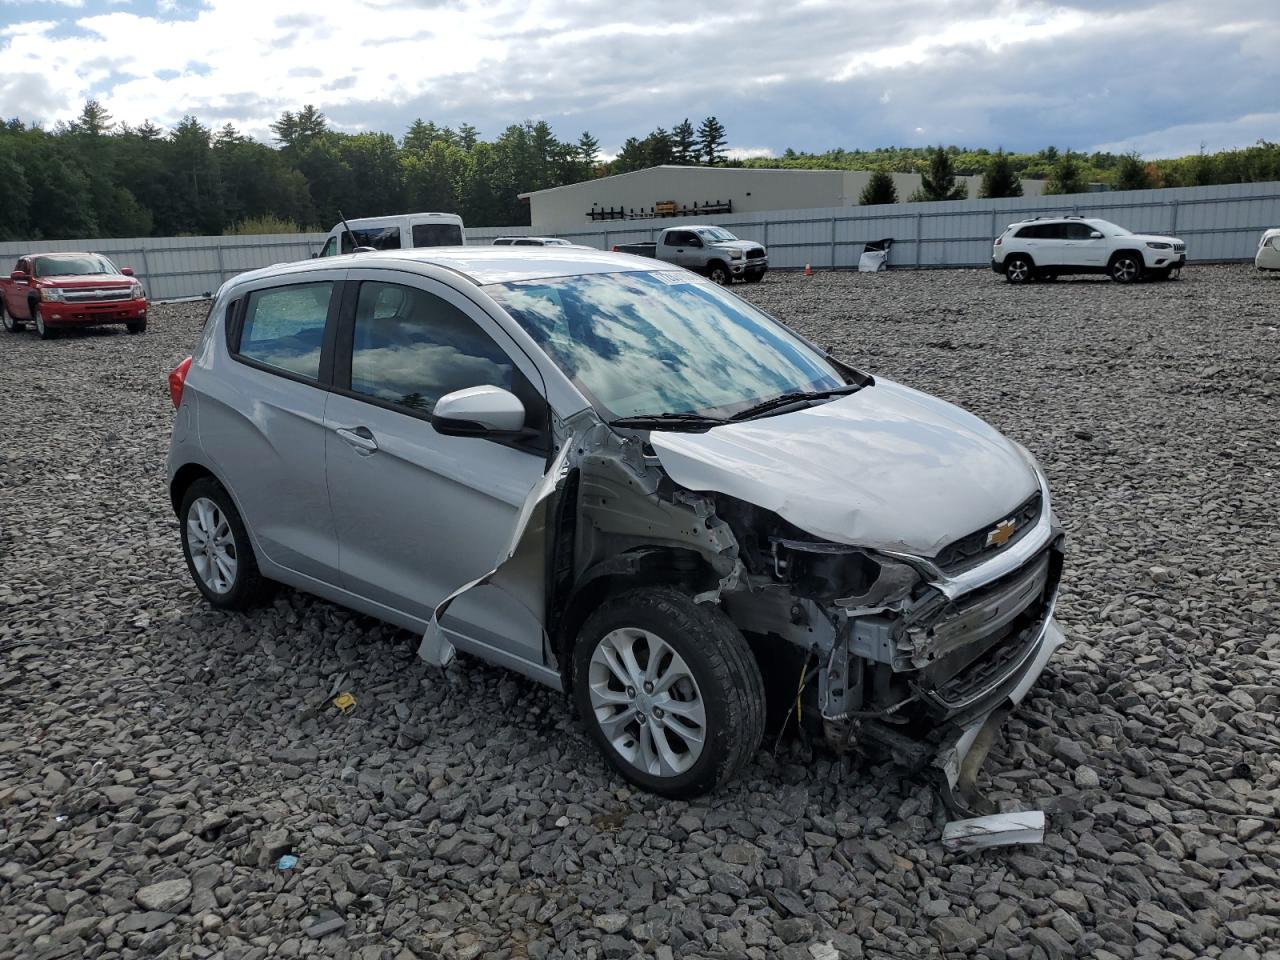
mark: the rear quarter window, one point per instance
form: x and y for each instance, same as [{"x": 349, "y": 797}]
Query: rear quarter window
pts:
[{"x": 283, "y": 328}]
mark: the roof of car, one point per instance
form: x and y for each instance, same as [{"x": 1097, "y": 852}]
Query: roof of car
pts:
[{"x": 481, "y": 264}]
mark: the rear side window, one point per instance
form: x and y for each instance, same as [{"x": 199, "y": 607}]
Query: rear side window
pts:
[
  {"x": 283, "y": 327},
  {"x": 674, "y": 239},
  {"x": 437, "y": 235},
  {"x": 410, "y": 348},
  {"x": 502, "y": 242},
  {"x": 528, "y": 243},
  {"x": 379, "y": 238}
]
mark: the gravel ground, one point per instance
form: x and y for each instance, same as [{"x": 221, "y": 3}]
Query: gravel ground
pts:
[{"x": 157, "y": 759}]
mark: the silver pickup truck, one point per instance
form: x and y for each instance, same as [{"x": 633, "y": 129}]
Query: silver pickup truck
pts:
[{"x": 711, "y": 251}]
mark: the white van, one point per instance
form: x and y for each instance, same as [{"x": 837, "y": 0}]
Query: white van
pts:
[{"x": 393, "y": 233}]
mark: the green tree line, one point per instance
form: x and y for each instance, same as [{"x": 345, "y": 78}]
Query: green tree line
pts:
[
  {"x": 1062, "y": 168},
  {"x": 98, "y": 178},
  {"x": 95, "y": 177}
]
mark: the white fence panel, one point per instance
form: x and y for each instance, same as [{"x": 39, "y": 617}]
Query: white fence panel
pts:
[{"x": 1219, "y": 223}]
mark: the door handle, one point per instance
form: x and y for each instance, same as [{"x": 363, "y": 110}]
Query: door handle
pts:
[{"x": 359, "y": 437}]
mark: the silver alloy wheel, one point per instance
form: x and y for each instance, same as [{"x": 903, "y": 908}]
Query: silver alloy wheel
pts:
[
  {"x": 1125, "y": 269},
  {"x": 647, "y": 702},
  {"x": 212, "y": 545},
  {"x": 720, "y": 275},
  {"x": 1019, "y": 271}
]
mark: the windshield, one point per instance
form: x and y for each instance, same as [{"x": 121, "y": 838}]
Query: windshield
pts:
[
  {"x": 716, "y": 233},
  {"x": 1109, "y": 228},
  {"x": 641, "y": 344},
  {"x": 72, "y": 265}
]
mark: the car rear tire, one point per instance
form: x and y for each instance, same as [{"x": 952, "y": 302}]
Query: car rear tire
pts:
[
  {"x": 217, "y": 549},
  {"x": 669, "y": 691},
  {"x": 719, "y": 273},
  {"x": 46, "y": 332},
  {"x": 10, "y": 324},
  {"x": 136, "y": 326},
  {"x": 1019, "y": 269},
  {"x": 1125, "y": 268}
]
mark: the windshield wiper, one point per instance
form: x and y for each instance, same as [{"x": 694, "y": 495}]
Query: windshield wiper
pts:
[
  {"x": 764, "y": 406},
  {"x": 667, "y": 421}
]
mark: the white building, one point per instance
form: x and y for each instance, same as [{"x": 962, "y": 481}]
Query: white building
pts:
[{"x": 722, "y": 189}]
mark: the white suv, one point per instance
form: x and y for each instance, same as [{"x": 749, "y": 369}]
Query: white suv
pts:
[{"x": 1044, "y": 248}]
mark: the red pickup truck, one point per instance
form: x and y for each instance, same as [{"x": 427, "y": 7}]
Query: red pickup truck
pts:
[{"x": 58, "y": 290}]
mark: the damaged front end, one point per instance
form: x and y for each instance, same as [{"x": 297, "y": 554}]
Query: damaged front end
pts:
[
  {"x": 913, "y": 660},
  {"x": 916, "y": 658}
]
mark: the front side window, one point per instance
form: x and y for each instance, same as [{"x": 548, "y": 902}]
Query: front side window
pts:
[
  {"x": 502, "y": 242},
  {"x": 645, "y": 343},
  {"x": 379, "y": 238},
  {"x": 410, "y": 348},
  {"x": 284, "y": 327},
  {"x": 436, "y": 235},
  {"x": 1080, "y": 231},
  {"x": 528, "y": 243},
  {"x": 72, "y": 266}
]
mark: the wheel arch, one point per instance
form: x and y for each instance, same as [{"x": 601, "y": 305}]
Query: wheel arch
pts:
[
  {"x": 1116, "y": 254},
  {"x": 1017, "y": 253},
  {"x": 684, "y": 569}
]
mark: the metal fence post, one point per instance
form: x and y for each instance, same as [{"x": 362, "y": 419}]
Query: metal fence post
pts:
[
  {"x": 1173, "y": 225},
  {"x": 919, "y": 237},
  {"x": 606, "y": 240},
  {"x": 833, "y": 243},
  {"x": 222, "y": 271},
  {"x": 146, "y": 271}
]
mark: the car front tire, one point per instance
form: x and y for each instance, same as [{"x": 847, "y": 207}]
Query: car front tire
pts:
[
  {"x": 669, "y": 691},
  {"x": 45, "y": 331},
  {"x": 1126, "y": 268},
  {"x": 720, "y": 274},
  {"x": 216, "y": 547},
  {"x": 1019, "y": 269}
]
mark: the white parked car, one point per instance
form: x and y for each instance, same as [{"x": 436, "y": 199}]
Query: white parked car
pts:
[
  {"x": 531, "y": 242},
  {"x": 399, "y": 232},
  {"x": 1047, "y": 247},
  {"x": 1268, "y": 256}
]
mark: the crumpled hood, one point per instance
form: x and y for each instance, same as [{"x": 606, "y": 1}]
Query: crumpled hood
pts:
[{"x": 887, "y": 467}]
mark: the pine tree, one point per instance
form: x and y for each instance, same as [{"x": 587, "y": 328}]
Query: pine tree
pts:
[
  {"x": 938, "y": 182},
  {"x": 468, "y": 136},
  {"x": 879, "y": 189},
  {"x": 588, "y": 153},
  {"x": 94, "y": 119},
  {"x": 685, "y": 143},
  {"x": 1066, "y": 176},
  {"x": 999, "y": 180},
  {"x": 712, "y": 141},
  {"x": 1131, "y": 174}
]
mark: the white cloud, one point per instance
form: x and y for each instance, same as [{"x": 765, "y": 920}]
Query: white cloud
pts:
[{"x": 1017, "y": 73}]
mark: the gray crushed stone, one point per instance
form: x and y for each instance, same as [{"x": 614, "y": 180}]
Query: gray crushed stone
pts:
[{"x": 157, "y": 758}]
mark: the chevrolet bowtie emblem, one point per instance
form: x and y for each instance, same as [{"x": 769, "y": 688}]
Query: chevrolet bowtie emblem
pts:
[{"x": 1000, "y": 535}]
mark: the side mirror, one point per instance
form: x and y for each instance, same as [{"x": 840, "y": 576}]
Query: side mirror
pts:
[
  {"x": 694, "y": 242},
  {"x": 127, "y": 271},
  {"x": 1095, "y": 235},
  {"x": 18, "y": 275},
  {"x": 478, "y": 412}
]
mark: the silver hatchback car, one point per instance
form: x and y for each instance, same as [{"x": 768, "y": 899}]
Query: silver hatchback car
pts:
[{"x": 626, "y": 483}]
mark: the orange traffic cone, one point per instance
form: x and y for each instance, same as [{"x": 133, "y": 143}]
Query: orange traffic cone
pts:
[{"x": 808, "y": 270}]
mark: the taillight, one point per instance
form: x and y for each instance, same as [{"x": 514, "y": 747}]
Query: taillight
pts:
[
  {"x": 999, "y": 239},
  {"x": 178, "y": 380},
  {"x": 615, "y": 249}
]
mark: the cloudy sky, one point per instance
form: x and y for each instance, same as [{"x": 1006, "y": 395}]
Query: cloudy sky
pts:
[{"x": 1159, "y": 76}]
